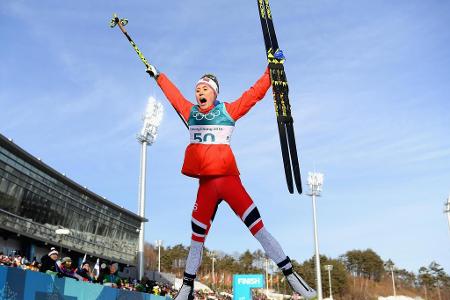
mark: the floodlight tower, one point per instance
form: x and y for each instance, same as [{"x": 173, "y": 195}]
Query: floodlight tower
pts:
[
  {"x": 315, "y": 182},
  {"x": 152, "y": 119}
]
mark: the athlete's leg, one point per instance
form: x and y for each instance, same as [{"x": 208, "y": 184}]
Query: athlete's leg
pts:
[
  {"x": 202, "y": 216},
  {"x": 239, "y": 200},
  {"x": 236, "y": 196}
]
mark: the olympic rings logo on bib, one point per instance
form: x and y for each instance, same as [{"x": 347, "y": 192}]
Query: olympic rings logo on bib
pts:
[{"x": 209, "y": 116}]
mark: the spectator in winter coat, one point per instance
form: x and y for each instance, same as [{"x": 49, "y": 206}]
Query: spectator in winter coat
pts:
[
  {"x": 104, "y": 270},
  {"x": 85, "y": 272},
  {"x": 49, "y": 262},
  {"x": 4, "y": 260},
  {"x": 112, "y": 279},
  {"x": 66, "y": 269}
]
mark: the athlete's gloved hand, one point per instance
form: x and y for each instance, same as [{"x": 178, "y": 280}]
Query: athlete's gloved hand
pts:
[
  {"x": 279, "y": 55},
  {"x": 152, "y": 71}
]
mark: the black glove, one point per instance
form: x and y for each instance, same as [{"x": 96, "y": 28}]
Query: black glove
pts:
[{"x": 152, "y": 71}]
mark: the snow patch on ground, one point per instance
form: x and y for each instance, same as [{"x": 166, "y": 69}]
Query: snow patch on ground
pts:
[{"x": 399, "y": 298}]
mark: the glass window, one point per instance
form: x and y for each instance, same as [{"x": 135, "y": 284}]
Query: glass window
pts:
[{"x": 27, "y": 191}]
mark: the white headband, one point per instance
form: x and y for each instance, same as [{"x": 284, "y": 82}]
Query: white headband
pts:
[{"x": 210, "y": 82}]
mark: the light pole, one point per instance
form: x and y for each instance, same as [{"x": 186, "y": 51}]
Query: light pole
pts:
[
  {"x": 315, "y": 182},
  {"x": 213, "y": 272},
  {"x": 152, "y": 119},
  {"x": 329, "y": 268},
  {"x": 158, "y": 244},
  {"x": 213, "y": 259},
  {"x": 267, "y": 276},
  {"x": 447, "y": 211},
  {"x": 61, "y": 232},
  {"x": 212, "y": 254}
]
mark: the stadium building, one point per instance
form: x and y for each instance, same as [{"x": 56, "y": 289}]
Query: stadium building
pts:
[{"x": 36, "y": 200}]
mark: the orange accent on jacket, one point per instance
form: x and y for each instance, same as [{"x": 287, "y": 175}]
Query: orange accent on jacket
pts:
[{"x": 212, "y": 159}]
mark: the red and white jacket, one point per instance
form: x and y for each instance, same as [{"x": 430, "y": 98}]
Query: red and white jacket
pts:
[{"x": 213, "y": 159}]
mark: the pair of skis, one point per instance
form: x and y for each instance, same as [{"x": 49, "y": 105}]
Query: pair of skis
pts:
[{"x": 280, "y": 91}]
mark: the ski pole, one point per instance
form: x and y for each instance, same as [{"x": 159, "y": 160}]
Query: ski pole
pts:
[{"x": 122, "y": 23}]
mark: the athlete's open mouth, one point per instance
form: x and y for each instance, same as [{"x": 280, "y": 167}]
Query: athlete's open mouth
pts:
[{"x": 202, "y": 100}]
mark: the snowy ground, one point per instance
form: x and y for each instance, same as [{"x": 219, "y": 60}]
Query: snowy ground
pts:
[{"x": 399, "y": 298}]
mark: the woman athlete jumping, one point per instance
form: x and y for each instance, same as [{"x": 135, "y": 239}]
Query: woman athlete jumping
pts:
[{"x": 209, "y": 158}]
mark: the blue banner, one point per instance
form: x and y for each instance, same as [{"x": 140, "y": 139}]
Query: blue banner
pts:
[{"x": 17, "y": 284}]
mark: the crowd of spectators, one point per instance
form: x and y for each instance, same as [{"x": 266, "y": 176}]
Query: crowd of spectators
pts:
[
  {"x": 105, "y": 274},
  {"x": 17, "y": 261}
]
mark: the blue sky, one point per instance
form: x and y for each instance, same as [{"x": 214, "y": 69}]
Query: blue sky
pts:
[{"x": 369, "y": 88}]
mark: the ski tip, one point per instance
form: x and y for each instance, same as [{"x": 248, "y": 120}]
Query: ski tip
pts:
[{"x": 299, "y": 188}]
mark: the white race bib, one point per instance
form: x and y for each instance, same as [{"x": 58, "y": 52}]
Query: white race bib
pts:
[{"x": 210, "y": 134}]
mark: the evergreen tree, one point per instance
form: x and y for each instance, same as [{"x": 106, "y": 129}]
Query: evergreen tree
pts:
[
  {"x": 367, "y": 264},
  {"x": 339, "y": 276}
]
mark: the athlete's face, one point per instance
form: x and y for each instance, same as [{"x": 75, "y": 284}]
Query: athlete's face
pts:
[{"x": 205, "y": 96}]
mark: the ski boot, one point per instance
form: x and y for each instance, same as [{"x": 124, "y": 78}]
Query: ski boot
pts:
[
  {"x": 296, "y": 282},
  {"x": 186, "y": 291}
]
